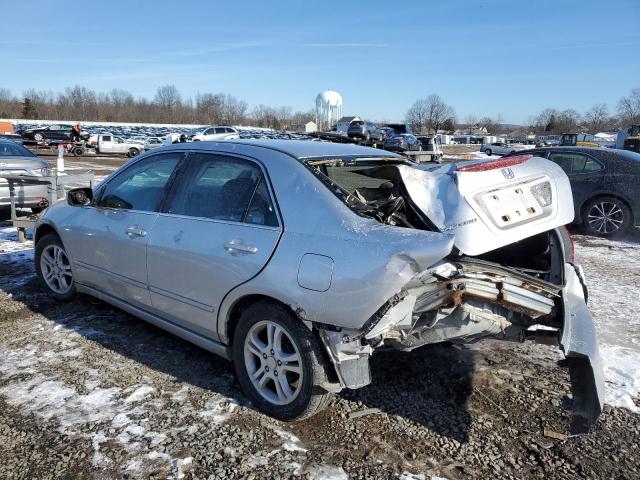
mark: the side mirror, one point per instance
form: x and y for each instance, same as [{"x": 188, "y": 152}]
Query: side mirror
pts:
[{"x": 79, "y": 197}]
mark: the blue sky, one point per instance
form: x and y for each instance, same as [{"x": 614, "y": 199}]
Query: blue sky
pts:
[{"x": 488, "y": 58}]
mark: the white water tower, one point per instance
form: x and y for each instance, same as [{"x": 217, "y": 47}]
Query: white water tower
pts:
[{"x": 328, "y": 109}]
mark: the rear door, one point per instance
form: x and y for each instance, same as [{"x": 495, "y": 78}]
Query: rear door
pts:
[{"x": 218, "y": 230}]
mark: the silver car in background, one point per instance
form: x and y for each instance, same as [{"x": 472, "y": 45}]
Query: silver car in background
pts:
[
  {"x": 17, "y": 160},
  {"x": 501, "y": 148},
  {"x": 298, "y": 260}
]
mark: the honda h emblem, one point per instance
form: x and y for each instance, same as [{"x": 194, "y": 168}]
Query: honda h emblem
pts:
[{"x": 508, "y": 173}]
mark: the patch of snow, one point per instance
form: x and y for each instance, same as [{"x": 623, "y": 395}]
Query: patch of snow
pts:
[
  {"x": 323, "y": 472},
  {"x": 612, "y": 273},
  {"x": 622, "y": 376},
  {"x": 140, "y": 393},
  {"x": 219, "y": 410},
  {"x": 412, "y": 476},
  {"x": 291, "y": 443}
]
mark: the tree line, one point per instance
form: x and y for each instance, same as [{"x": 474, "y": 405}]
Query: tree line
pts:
[
  {"x": 167, "y": 106},
  {"x": 432, "y": 113}
]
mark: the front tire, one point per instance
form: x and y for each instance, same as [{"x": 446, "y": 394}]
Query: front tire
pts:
[
  {"x": 53, "y": 268},
  {"x": 488, "y": 152},
  {"x": 133, "y": 152},
  {"x": 606, "y": 217},
  {"x": 279, "y": 362},
  {"x": 38, "y": 137}
]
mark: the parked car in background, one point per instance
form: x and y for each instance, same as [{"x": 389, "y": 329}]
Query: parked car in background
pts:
[
  {"x": 501, "y": 148},
  {"x": 108, "y": 143},
  {"x": 387, "y": 133},
  {"x": 151, "y": 143},
  {"x": 217, "y": 133},
  {"x": 604, "y": 182},
  {"x": 402, "y": 143},
  {"x": 190, "y": 237},
  {"x": 364, "y": 130},
  {"x": 400, "y": 128},
  {"x": 17, "y": 160},
  {"x": 14, "y": 137},
  {"x": 58, "y": 132}
]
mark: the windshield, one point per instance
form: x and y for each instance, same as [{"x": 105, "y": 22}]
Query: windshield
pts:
[{"x": 12, "y": 149}]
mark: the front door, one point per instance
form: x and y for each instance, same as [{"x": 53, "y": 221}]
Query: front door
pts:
[
  {"x": 217, "y": 230},
  {"x": 110, "y": 237}
]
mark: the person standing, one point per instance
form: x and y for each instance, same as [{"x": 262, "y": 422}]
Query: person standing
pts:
[{"x": 75, "y": 135}]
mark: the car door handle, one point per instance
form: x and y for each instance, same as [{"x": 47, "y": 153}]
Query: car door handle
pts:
[
  {"x": 237, "y": 248},
  {"x": 134, "y": 231}
]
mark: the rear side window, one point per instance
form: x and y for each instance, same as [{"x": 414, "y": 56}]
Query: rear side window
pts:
[
  {"x": 223, "y": 188},
  {"x": 106, "y": 138},
  {"x": 141, "y": 186},
  {"x": 572, "y": 162}
]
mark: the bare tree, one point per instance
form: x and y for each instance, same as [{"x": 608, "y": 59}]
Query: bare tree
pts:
[
  {"x": 629, "y": 108},
  {"x": 429, "y": 113},
  {"x": 596, "y": 119}
]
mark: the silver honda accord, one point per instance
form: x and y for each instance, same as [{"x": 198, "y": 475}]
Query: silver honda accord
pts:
[{"x": 298, "y": 260}]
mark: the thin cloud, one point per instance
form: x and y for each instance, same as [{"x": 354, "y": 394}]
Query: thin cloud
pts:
[{"x": 343, "y": 45}]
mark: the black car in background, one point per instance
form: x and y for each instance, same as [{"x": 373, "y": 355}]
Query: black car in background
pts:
[
  {"x": 364, "y": 130},
  {"x": 403, "y": 143},
  {"x": 605, "y": 184},
  {"x": 60, "y": 132}
]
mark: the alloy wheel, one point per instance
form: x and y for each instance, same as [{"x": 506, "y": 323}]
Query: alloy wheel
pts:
[
  {"x": 273, "y": 362},
  {"x": 605, "y": 217},
  {"x": 56, "y": 269}
]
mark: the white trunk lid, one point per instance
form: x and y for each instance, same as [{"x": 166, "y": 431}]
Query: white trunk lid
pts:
[{"x": 491, "y": 204}]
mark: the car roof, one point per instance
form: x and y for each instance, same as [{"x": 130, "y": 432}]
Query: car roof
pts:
[{"x": 299, "y": 149}]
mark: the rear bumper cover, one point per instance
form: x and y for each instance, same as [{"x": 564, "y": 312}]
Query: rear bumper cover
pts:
[{"x": 579, "y": 342}]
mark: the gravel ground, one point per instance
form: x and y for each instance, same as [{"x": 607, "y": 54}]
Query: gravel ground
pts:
[{"x": 87, "y": 391}]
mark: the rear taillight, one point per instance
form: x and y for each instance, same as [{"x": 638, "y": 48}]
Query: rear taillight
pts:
[{"x": 495, "y": 164}]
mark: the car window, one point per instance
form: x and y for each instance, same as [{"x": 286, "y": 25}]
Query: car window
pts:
[
  {"x": 219, "y": 130},
  {"x": 572, "y": 162},
  {"x": 223, "y": 188},
  {"x": 141, "y": 186},
  {"x": 12, "y": 149},
  {"x": 106, "y": 138},
  {"x": 229, "y": 130}
]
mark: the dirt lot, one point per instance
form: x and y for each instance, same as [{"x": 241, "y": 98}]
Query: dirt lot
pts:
[{"x": 87, "y": 391}]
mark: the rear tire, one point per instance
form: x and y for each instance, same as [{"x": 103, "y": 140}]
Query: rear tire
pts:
[
  {"x": 257, "y": 351},
  {"x": 38, "y": 137},
  {"x": 488, "y": 152},
  {"x": 606, "y": 217},
  {"x": 53, "y": 268}
]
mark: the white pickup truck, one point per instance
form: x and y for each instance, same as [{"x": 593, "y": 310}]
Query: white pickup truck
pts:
[{"x": 108, "y": 143}]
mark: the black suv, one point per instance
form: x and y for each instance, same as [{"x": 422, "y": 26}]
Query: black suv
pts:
[
  {"x": 365, "y": 131},
  {"x": 604, "y": 182}
]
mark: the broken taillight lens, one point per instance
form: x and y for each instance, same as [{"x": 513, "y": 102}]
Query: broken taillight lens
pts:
[
  {"x": 495, "y": 164},
  {"x": 542, "y": 193}
]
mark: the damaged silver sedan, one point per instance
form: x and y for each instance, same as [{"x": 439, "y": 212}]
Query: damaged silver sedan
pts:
[{"x": 299, "y": 260}]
